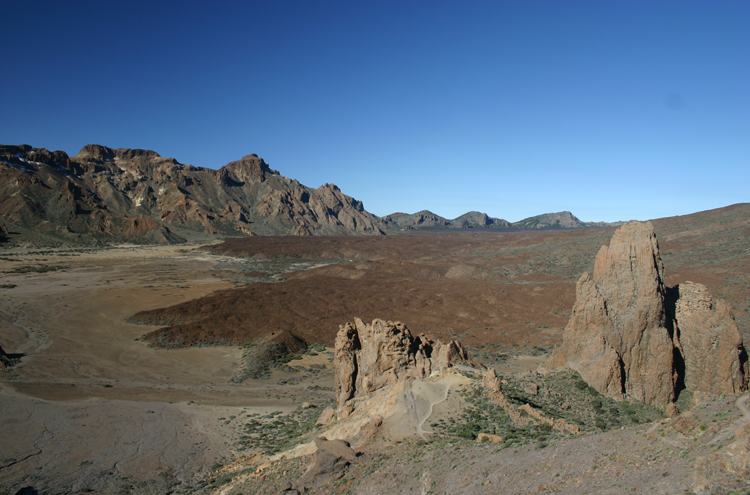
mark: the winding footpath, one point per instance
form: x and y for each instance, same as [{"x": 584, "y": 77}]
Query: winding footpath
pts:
[
  {"x": 728, "y": 431},
  {"x": 420, "y": 427}
]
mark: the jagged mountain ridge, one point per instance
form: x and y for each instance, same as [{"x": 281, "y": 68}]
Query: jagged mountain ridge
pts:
[
  {"x": 130, "y": 194},
  {"x": 133, "y": 195}
]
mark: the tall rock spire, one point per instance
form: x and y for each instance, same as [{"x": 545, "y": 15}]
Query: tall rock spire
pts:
[{"x": 622, "y": 337}]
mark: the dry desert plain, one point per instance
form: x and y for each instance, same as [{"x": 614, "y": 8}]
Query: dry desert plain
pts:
[{"x": 91, "y": 407}]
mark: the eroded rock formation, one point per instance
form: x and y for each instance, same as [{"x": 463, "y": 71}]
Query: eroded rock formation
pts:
[
  {"x": 616, "y": 338},
  {"x": 370, "y": 357},
  {"x": 621, "y": 337},
  {"x": 709, "y": 341}
]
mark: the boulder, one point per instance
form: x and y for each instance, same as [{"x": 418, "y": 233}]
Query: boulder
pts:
[
  {"x": 326, "y": 417},
  {"x": 684, "y": 423},
  {"x": 329, "y": 462}
]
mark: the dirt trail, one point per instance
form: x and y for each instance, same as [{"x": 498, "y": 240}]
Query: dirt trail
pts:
[
  {"x": 728, "y": 431},
  {"x": 433, "y": 393},
  {"x": 420, "y": 426}
]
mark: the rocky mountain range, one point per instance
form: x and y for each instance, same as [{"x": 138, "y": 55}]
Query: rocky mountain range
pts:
[
  {"x": 136, "y": 195},
  {"x": 120, "y": 195}
]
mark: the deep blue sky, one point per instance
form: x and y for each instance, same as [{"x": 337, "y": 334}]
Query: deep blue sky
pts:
[{"x": 612, "y": 110}]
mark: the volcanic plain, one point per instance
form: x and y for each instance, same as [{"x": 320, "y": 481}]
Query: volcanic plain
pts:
[{"x": 126, "y": 374}]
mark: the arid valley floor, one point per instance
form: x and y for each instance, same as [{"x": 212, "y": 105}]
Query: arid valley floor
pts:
[{"x": 90, "y": 405}]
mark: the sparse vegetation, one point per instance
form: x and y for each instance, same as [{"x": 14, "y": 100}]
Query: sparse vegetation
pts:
[
  {"x": 36, "y": 269},
  {"x": 276, "y": 432},
  {"x": 265, "y": 353},
  {"x": 563, "y": 395}
]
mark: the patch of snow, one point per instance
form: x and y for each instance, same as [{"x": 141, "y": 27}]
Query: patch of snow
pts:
[{"x": 17, "y": 166}]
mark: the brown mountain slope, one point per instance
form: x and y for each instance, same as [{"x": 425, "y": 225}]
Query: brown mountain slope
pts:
[{"x": 125, "y": 194}]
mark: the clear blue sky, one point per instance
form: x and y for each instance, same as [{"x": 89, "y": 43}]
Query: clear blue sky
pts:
[{"x": 613, "y": 110}]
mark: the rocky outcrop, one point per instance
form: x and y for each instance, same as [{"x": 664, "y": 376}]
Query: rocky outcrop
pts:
[
  {"x": 371, "y": 357},
  {"x": 622, "y": 339},
  {"x": 617, "y": 337},
  {"x": 493, "y": 386},
  {"x": 709, "y": 342},
  {"x": 100, "y": 192}
]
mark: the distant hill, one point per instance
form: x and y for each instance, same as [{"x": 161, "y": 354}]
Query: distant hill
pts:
[
  {"x": 104, "y": 194},
  {"x": 561, "y": 220},
  {"x": 426, "y": 219}
]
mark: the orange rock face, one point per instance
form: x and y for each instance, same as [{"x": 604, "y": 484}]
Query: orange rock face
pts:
[
  {"x": 710, "y": 342},
  {"x": 616, "y": 338},
  {"x": 621, "y": 336}
]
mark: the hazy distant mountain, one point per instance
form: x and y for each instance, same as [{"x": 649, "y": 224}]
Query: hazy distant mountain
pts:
[
  {"x": 126, "y": 194},
  {"x": 560, "y": 220},
  {"x": 426, "y": 219}
]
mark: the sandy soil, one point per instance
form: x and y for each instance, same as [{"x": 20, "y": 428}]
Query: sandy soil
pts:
[{"x": 89, "y": 407}]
